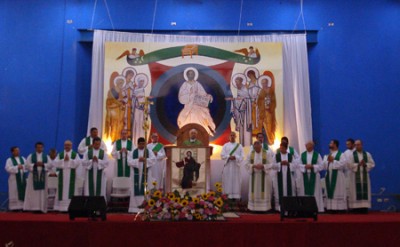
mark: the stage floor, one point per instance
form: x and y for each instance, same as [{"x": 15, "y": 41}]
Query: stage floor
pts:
[{"x": 53, "y": 229}]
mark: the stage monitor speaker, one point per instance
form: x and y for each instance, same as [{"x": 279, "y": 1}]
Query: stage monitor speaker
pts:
[
  {"x": 87, "y": 206},
  {"x": 299, "y": 207}
]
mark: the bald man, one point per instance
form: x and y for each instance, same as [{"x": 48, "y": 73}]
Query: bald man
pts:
[
  {"x": 360, "y": 164},
  {"x": 309, "y": 179},
  {"x": 66, "y": 164},
  {"x": 193, "y": 141}
]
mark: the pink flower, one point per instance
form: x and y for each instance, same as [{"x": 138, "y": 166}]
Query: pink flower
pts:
[{"x": 189, "y": 217}]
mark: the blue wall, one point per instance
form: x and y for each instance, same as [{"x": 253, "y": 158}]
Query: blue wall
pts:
[{"x": 354, "y": 68}]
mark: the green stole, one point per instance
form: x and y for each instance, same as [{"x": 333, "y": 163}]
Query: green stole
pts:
[
  {"x": 87, "y": 141},
  {"x": 309, "y": 182},
  {"x": 291, "y": 150},
  {"x": 331, "y": 185},
  {"x": 72, "y": 176},
  {"x": 157, "y": 147},
  {"x": 21, "y": 182},
  {"x": 361, "y": 187},
  {"x": 278, "y": 159},
  {"x": 139, "y": 190},
  {"x": 38, "y": 180},
  {"x": 99, "y": 174},
  {"x": 121, "y": 168},
  {"x": 234, "y": 149},
  {"x": 264, "y": 161}
]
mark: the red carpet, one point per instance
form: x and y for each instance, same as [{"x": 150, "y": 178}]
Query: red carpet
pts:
[{"x": 374, "y": 229}]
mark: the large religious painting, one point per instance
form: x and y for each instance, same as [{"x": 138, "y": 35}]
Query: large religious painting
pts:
[
  {"x": 189, "y": 171},
  {"x": 222, "y": 86}
]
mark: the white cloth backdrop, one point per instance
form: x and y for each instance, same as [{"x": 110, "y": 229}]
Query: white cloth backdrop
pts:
[{"x": 296, "y": 89}]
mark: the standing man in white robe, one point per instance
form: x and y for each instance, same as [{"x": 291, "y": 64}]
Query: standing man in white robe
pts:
[
  {"x": 95, "y": 161},
  {"x": 38, "y": 164},
  {"x": 232, "y": 154},
  {"x": 309, "y": 179},
  {"x": 348, "y": 154},
  {"x": 360, "y": 164},
  {"x": 142, "y": 161},
  {"x": 194, "y": 111},
  {"x": 121, "y": 148},
  {"x": 87, "y": 142},
  {"x": 16, "y": 168},
  {"x": 286, "y": 167},
  {"x": 66, "y": 163},
  {"x": 291, "y": 149},
  {"x": 160, "y": 160},
  {"x": 259, "y": 165},
  {"x": 272, "y": 172},
  {"x": 335, "y": 179}
]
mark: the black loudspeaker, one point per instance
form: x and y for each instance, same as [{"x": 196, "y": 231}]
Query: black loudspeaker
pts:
[
  {"x": 87, "y": 206},
  {"x": 299, "y": 207}
]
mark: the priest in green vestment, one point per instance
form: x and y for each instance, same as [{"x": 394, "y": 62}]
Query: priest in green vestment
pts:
[
  {"x": 286, "y": 167},
  {"x": 87, "y": 142},
  {"x": 259, "y": 165},
  {"x": 66, "y": 164},
  {"x": 160, "y": 160},
  {"x": 38, "y": 164},
  {"x": 141, "y": 161},
  {"x": 121, "y": 148},
  {"x": 192, "y": 141},
  {"x": 95, "y": 161},
  {"x": 16, "y": 168},
  {"x": 309, "y": 179},
  {"x": 360, "y": 165},
  {"x": 335, "y": 179}
]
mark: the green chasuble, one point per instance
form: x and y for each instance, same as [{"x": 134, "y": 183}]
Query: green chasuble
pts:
[
  {"x": 278, "y": 159},
  {"x": 72, "y": 176},
  {"x": 361, "y": 186},
  {"x": 264, "y": 162},
  {"x": 331, "y": 182},
  {"x": 21, "y": 182},
  {"x": 195, "y": 143},
  {"x": 38, "y": 179},
  {"x": 309, "y": 182},
  {"x": 123, "y": 170},
  {"x": 99, "y": 174},
  {"x": 139, "y": 188}
]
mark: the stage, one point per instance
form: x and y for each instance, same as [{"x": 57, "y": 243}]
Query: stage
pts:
[{"x": 374, "y": 229}]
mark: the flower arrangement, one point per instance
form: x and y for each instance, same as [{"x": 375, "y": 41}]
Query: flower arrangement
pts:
[{"x": 175, "y": 207}]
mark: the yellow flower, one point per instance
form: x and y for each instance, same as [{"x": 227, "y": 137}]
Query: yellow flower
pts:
[
  {"x": 211, "y": 193},
  {"x": 218, "y": 185},
  {"x": 219, "y": 190},
  {"x": 171, "y": 196},
  {"x": 177, "y": 199},
  {"x": 204, "y": 196},
  {"x": 197, "y": 216},
  {"x": 154, "y": 183},
  {"x": 151, "y": 202},
  {"x": 157, "y": 193},
  {"x": 219, "y": 202},
  {"x": 184, "y": 202},
  {"x": 196, "y": 200}
]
